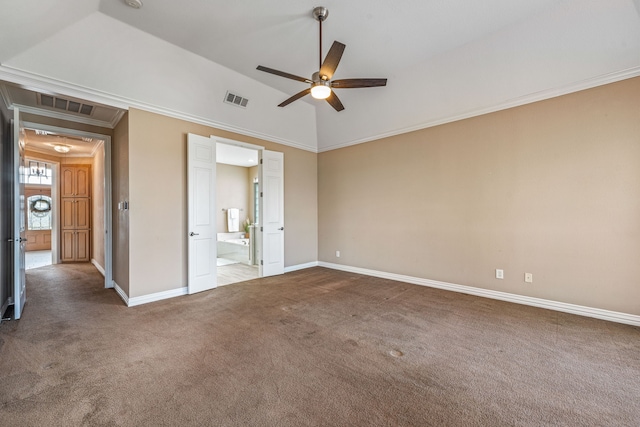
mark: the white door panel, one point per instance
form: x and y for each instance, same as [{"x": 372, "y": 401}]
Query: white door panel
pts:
[
  {"x": 19, "y": 218},
  {"x": 201, "y": 213},
  {"x": 272, "y": 190}
]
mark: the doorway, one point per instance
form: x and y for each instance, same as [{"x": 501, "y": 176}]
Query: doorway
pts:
[
  {"x": 238, "y": 207},
  {"x": 203, "y": 208},
  {"x": 40, "y": 179},
  {"x": 77, "y": 179}
]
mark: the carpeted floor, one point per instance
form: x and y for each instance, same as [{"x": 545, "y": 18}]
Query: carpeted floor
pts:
[{"x": 311, "y": 348}]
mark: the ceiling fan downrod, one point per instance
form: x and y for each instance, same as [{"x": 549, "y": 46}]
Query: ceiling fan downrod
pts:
[{"x": 320, "y": 13}]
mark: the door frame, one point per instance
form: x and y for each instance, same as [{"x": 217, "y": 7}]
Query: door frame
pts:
[{"x": 108, "y": 222}]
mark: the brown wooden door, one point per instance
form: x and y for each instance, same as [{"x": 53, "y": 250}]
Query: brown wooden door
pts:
[
  {"x": 67, "y": 213},
  {"x": 82, "y": 215},
  {"x": 82, "y": 181},
  {"x": 75, "y": 181},
  {"x": 82, "y": 248},
  {"x": 75, "y": 216},
  {"x": 67, "y": 181},
  {"x": 67, "y": 254}
]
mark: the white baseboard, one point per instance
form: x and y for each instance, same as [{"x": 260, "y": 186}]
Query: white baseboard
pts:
[
  {"x": 158, "y": 296},
  {"x": 98, "y": 266},
  {"x": 144, "y": 299},
  {"x": 613, "y": 316},
  {"x": 120, "y": 292},
  {"x": 300, "y": 266}
]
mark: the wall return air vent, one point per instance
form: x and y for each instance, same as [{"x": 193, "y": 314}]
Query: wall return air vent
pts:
[
  {"x": 237, "y": 100},
  {"x": 65, "y": 104}
]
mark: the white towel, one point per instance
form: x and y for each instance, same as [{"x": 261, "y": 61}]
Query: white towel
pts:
[{"x": 233, "y": 219}]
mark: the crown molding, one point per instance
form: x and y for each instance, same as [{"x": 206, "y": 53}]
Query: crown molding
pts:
[
  {"x": 41, "y": 83},
  {"x": 515, "y": 102}
]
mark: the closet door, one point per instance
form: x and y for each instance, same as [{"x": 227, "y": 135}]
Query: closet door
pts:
[
  {"x": 82, "y": 248},
  {"x": 67, "y": 254},
  {"x": 75, "y": 181},
  {"x": 82, "y": 214},
  {"x": 75, "y": 210},
  {"x": 67, "y": 213}
]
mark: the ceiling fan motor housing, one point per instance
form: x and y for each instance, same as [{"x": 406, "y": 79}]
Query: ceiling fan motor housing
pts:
[{"x": 320, "y": 13}]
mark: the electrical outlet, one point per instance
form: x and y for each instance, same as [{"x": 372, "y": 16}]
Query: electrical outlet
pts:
[
  {"x": 337, "y": 254},
  {"x": 528, "y": 277},
  {"x": 499, "y": 274}
]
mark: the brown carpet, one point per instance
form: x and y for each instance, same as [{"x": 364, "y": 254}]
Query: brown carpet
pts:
[{"x": 316, "y": 347}]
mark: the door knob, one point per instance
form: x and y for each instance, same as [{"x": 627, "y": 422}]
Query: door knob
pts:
[
  {"x": 194, "y": 234},
  {"x": 281, "y": 228}
]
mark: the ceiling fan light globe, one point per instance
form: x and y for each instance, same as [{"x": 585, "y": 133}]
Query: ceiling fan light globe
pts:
[
  {"x": 61, "y": 148},
  {"x": 320, "y": 91}
]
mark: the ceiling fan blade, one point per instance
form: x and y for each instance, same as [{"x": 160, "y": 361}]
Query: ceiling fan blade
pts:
[
  {"x": 283, "y": 74},
  {"x": 335, "y": 101},
  {"x": 332, "y": 60},
  {"x": 356, "y": 83},
  {"x": 295, "y": 97}
]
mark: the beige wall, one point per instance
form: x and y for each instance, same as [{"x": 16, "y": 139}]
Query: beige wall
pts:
[
  {"x": 232, "y": 191},
  {"x": 551, "y": 188},
  {"x": 120, "y": 192},
  {"x": 157, "y": 185}
]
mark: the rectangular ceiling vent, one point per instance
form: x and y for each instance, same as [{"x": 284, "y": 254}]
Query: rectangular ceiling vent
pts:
[
  {"x": 237, "y": 100},
  {"x": 65, "y": 104}
]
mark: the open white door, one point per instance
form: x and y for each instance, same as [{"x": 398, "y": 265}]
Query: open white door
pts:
[
  {"x": 272, "y": 192},
  {"x": 201, "y": 213},
  {"x": 19, "y": 218}
]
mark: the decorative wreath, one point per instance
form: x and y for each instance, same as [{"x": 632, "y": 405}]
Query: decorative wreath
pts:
[{"x": 40, "y": 207}]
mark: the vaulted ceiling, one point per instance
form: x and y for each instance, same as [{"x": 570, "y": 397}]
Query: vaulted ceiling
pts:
[{"x": 444, "y": 60}]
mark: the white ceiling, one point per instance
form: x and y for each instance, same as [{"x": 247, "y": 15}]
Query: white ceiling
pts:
[
  {"x": 444, "y": 60},
  {"x": 45, "y": 142},
  {"x": 236, "y": 156}
]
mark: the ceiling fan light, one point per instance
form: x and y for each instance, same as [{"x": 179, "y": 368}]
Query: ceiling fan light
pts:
[{"x": 321, "y": 90}]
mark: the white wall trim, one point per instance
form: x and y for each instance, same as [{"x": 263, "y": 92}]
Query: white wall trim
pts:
[
  {"x": 158, "y": 296},
  {"x": 516, "y": 102},
  {"x": 97, "y": 266},
  {"x": 300, "y": 266},
  {"x": 612, "y": 316},
  {"x": 121, "y": 293},
  {"x": 28, "y": 80}
]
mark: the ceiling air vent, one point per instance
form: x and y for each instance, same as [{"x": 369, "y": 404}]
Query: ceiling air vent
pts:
[
  {"x": 65, "y": 104},
  {"x": 237, "y": 100}
]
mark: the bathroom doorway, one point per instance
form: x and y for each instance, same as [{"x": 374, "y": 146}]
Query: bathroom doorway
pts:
[{"x": 238, "y": 212}]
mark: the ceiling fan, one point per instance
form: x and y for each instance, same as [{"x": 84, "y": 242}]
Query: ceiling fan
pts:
[{"x": 320, "y": 83}]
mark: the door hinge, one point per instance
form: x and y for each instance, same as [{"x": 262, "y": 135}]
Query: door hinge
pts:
[
  {"x": 261, "y": 262},
  {"x": 261, "y": 194},
  {"x": 261, "y": 161},
  {"x": 261, "y": 228}
]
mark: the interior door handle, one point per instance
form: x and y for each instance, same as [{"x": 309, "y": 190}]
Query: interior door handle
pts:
[{"x": 194, "y": 234}]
